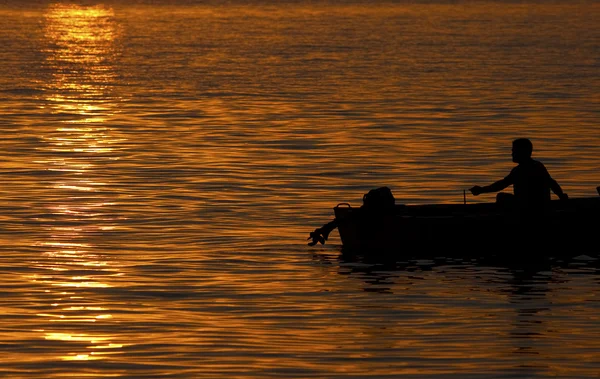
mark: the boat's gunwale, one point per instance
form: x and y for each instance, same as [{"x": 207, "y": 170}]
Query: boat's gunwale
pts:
[{"x": 421, "y": 222}]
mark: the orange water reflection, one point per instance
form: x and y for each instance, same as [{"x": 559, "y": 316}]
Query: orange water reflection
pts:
[
  {"x": 217, "y": 306},
  {"x": 80, "y": 47}
]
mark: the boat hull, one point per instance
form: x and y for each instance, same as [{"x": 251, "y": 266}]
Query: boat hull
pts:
[{"x": 566, "y": 226}]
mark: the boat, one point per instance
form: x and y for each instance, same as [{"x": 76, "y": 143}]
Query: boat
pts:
[{"x": 566, "y": 225}]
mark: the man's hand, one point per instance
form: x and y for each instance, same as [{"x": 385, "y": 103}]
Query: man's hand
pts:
[{"x": 476, "y": 190}]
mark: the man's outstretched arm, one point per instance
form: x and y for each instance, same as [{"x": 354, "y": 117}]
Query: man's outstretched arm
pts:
[{"x": 494, "y": 187}]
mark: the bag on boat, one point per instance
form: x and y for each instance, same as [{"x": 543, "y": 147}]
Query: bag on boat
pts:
[{"x": 379, "y": 198}]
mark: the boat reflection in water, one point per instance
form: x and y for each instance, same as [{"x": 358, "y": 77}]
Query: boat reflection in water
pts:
[{"x": 432, "y": 305}]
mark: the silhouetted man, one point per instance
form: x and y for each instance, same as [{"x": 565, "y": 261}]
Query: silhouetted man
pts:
[{"x": 530, "y": 179}]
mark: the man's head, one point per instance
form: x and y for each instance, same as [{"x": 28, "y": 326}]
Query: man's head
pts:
[{"x": 521, "y": 149}]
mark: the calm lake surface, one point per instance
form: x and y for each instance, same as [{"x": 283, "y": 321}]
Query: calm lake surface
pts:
[{"x": 163, "y": 162}]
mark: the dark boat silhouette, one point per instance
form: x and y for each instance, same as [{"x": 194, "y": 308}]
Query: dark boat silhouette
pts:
[{"x": 565, "y": 227}]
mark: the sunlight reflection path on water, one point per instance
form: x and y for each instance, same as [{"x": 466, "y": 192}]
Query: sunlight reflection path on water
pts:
[{"x": 77, "y": 200}]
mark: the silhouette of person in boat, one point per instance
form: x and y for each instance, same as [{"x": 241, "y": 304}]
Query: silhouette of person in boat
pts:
[
  {"x": 531, "y": 192},
  {"x": 530, "y": 180}
]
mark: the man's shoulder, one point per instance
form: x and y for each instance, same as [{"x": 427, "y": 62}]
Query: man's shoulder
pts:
[
  {"x": 539, "y": 165},
  {"x": 531, "y": 168},
  {"x": 516, "y": 169},
  {"x": 527, "y": 168},
  {"x": 530, "y": 164}
]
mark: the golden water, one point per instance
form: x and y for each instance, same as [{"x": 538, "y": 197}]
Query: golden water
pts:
[{"x": 162, "y": 165}]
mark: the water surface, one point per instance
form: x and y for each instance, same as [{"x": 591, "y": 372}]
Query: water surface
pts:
[{"x": 162, "y": 165}]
